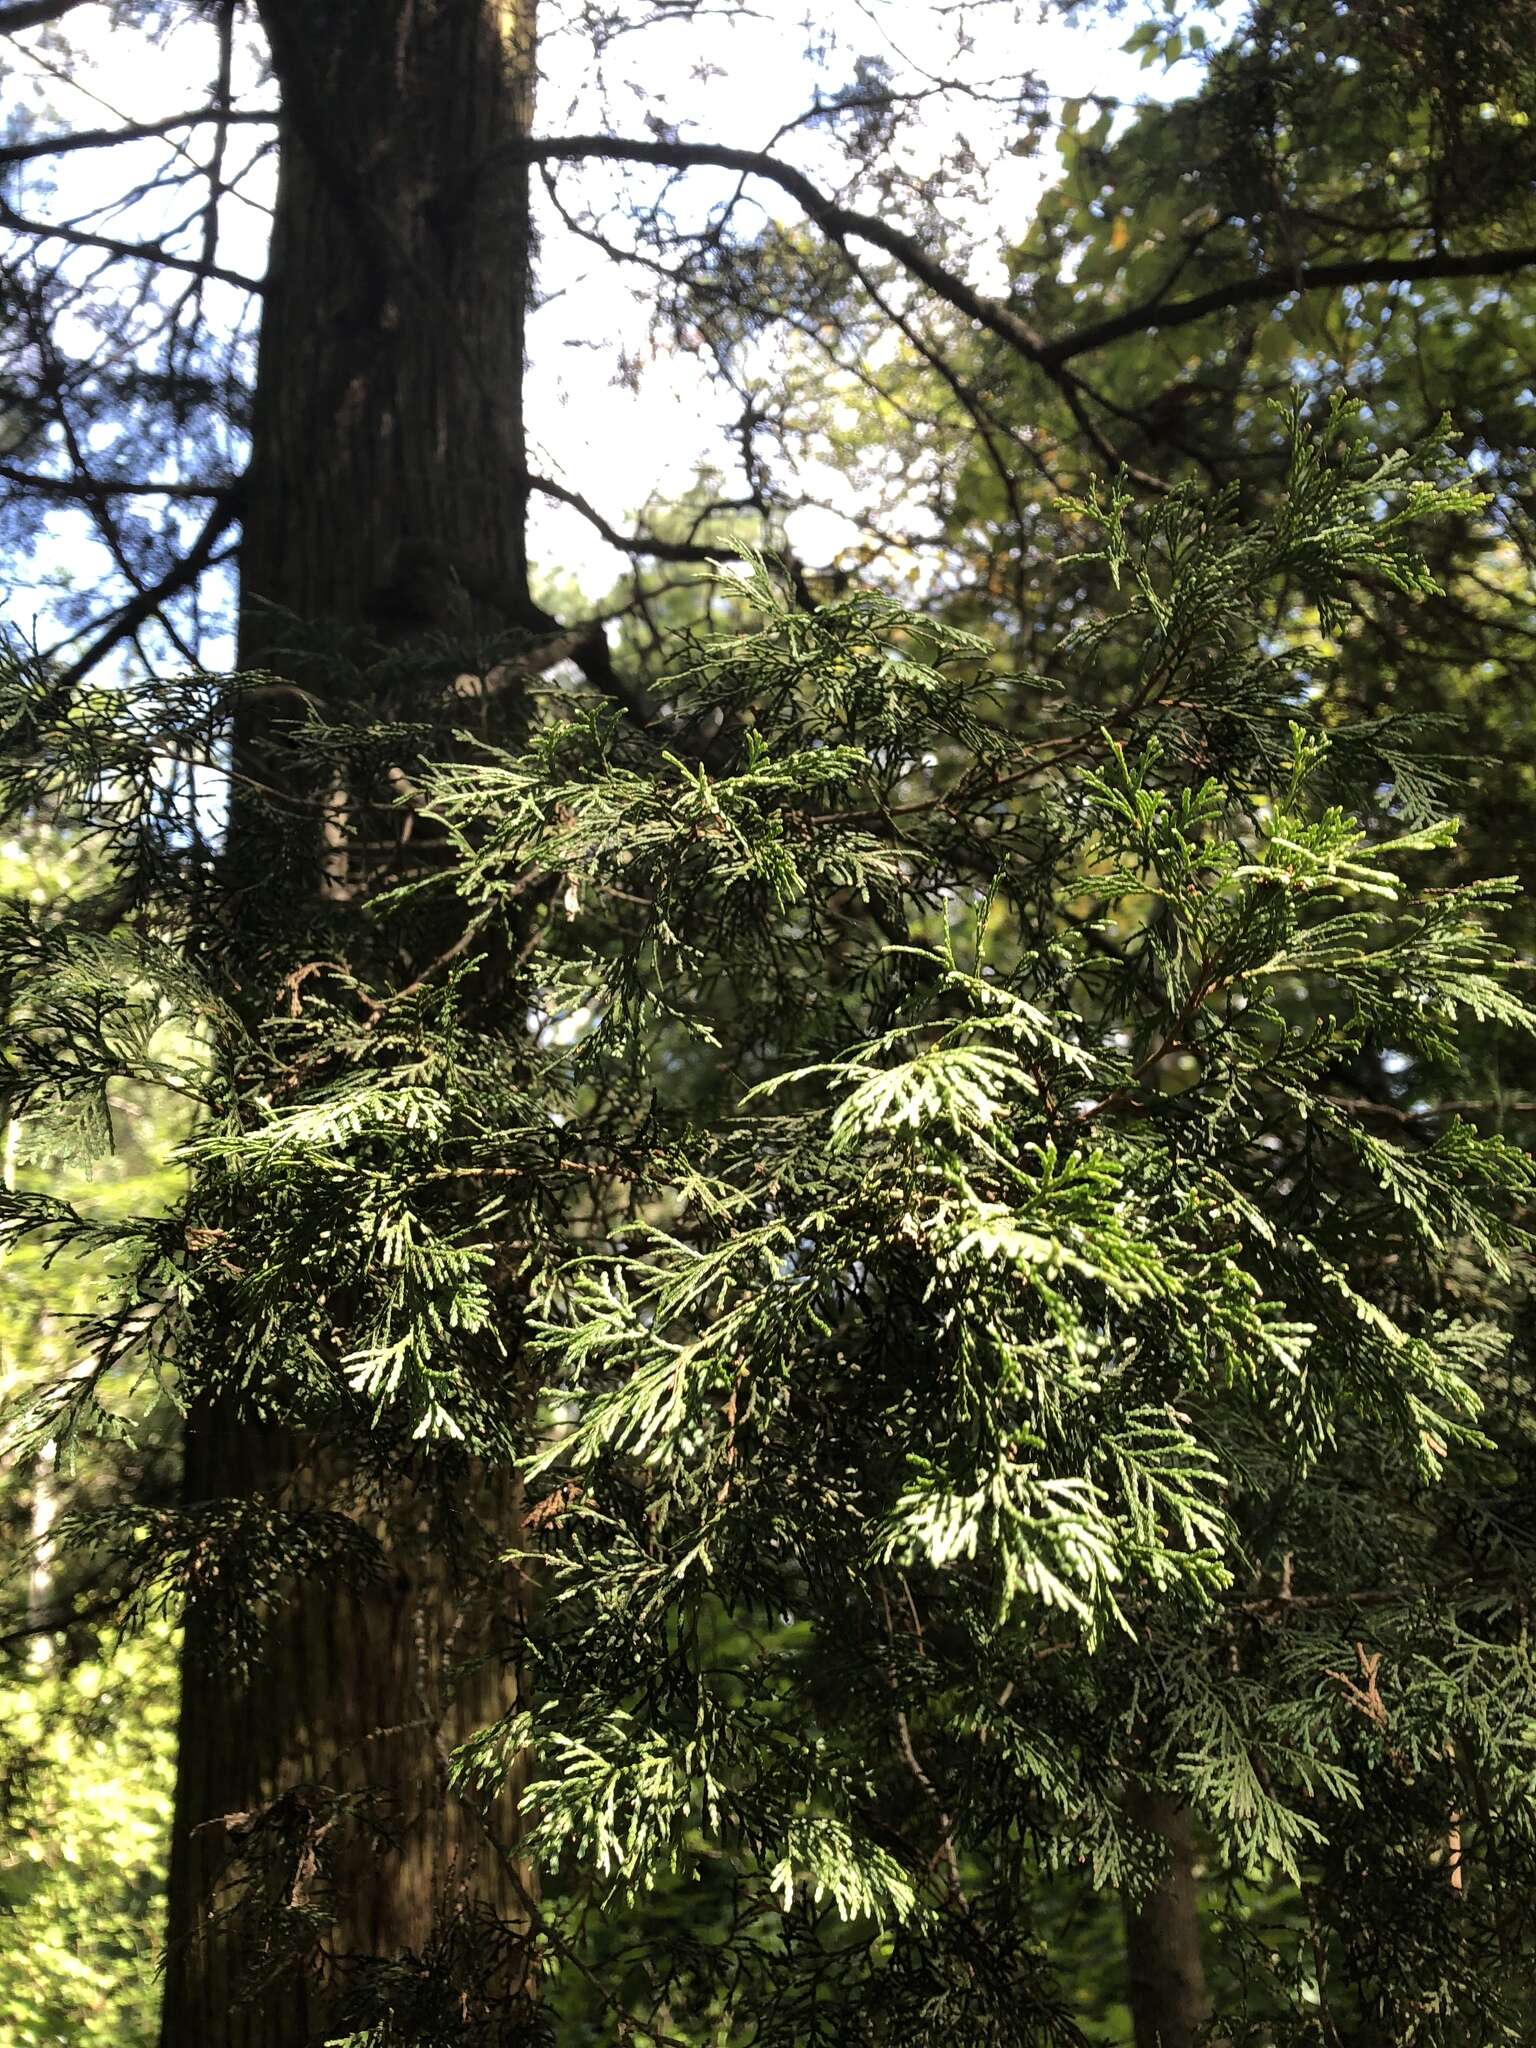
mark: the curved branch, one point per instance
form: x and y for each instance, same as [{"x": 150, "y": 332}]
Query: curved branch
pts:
[
  {"x": 840, "y": 223},
  {"x": 134, "y": 252},
  {"x": 142, "y": 607},
  {"x": 133, "y": 131},
  {"x": 627, "y": 543},
  {"x": 1279, "y": 284}
]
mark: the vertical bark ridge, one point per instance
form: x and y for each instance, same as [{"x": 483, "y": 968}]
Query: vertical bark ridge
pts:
[{"x": 386, "y": 477}]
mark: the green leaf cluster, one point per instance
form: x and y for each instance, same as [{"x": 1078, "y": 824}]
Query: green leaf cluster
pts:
[{"x": 880, "y": 1151}]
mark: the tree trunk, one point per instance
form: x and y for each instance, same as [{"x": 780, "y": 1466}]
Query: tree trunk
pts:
[
  {"x": 387, "y": 435},
  {"x": 386, "y": 480},
  {"x": 1170, "y": 2006}
]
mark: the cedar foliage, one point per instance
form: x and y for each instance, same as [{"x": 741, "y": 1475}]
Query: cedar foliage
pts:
[{"x": 874, "y": 1148}]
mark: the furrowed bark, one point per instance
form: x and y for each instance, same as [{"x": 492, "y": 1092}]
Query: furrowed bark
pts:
[{"x": 385, "y": 479}]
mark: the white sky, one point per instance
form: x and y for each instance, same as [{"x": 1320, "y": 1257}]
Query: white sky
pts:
[{"x": 715, "y": 77}]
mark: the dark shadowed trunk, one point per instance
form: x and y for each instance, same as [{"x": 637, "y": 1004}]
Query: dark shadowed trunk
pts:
[
  {"x": 1170, "y": 2006},
  {"x": 385, "y": 484},
  {"x": 387, "y": 430}
]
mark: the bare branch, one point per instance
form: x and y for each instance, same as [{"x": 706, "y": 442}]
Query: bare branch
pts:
[
  {"x": 627, "y": 543},
  {"x": 85, "y": 490},
  {"x": 840, "y": 223},
  {"x": 133, "y": 131},
  {"x": 142, "y": 607},
  {"x": 843, "y": 224},
  {"x": 224, "y": 114},
  {"x": 134, "y": 252},
  {"x": 1279, "y": 284}
]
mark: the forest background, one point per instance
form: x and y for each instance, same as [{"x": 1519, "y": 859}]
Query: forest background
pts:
[{"x": 1313, "y": 199}]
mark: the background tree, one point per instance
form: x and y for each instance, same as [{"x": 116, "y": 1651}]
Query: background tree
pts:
[{"x": 88, "y": 1756}]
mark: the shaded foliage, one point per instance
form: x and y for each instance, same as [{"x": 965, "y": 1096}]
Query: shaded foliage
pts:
[{"x": 992, "y": 1355}]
